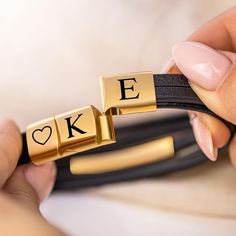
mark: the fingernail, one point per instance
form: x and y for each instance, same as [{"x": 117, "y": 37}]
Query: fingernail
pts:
[
  {"x": 169, "y": 64},
  {"x": 203, "y": 137},
  {"x": 41, "y": 178},
  {"x": 201, "y": 64}
]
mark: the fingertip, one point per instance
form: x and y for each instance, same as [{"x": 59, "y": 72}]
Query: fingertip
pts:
[
  {"x": 41, "y": 178},
  {"x": 203, "y": 137},
  {"x": 210, "y": 133},
  {"x": 219, "y": 131}
]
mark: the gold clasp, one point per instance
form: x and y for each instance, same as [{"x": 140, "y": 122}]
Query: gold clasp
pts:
[
  {"x": 69, "y": 133},
  {"x": 128, "y": 93}
]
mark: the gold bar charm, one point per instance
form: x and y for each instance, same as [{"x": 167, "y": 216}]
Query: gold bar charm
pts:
[
  {"x": 69, "y": 133},
  {"x": 149, "y": 152},
  {"x": 128, "y": 93}
]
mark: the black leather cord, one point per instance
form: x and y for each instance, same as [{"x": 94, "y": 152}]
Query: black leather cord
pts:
[
  {"x": 174, "y": 91},
  {"x": 24, "y": 158}
]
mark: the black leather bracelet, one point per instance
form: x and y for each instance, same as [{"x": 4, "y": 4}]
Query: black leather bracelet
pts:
[{"x": 171, "y": 91}]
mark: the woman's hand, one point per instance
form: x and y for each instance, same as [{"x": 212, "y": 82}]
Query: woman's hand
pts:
[
  {"x": 22, "y": 188},
  {"x": 208, "y": 60}
]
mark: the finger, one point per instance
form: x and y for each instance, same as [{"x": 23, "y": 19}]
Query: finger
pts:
[
  {"x": 31, "y": 184},
  {"x": 17, "y": 218},
  {"x": 221, "y": 39},
  {"x": 41, "y": 178},
  {"x": 218, "y": 32},
  {"x": 212, "y": 76},
  {"x": 223, "y": 28},
  {"x": 10, "y": 148},
  {"x": 20, "y": 199},
  {"x": 19, "y": 188},
  {"x": 214, "y": 125},
  {"x": 206, "y": 129}
]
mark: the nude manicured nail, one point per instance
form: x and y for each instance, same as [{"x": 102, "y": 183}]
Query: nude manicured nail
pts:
[
  {"x": 203, "y": 137},
  {"x": 41, "y": 178},
  {"x": 201, "y": 64}
]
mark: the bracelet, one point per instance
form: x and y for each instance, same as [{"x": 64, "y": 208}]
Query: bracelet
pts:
[{"x": 86, "y": 128}]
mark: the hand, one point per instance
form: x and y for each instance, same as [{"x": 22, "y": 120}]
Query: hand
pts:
[
  {"x": 22, "y": 188},
  {"x": 208, "y": 60}
]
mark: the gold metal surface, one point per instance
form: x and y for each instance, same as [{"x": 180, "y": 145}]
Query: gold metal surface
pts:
[
  {"x": 106, "y": 129},
  {"x": 128, "y": 93},
  {"x": 42, "y": 141},
  {"x": 69, "y": 133},
  {"x": 87, "y": 128},
  {"x": 128, "y": 157}
]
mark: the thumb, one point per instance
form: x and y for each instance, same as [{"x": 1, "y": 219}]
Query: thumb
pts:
[
  {"x": 31, "y": 184},
  {"x": 212, "y": 75}
]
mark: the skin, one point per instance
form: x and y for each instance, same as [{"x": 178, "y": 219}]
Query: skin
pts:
[
  {"x": 224, "y": 40},
  {"x": 22, "y": 189}
]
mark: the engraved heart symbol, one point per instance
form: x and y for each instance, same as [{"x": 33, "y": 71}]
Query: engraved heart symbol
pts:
[{"x": 41, "y": 136}]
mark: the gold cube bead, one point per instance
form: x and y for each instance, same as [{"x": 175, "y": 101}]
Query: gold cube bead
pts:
[
  {"x": 128, "y": 93},
  {"x": 42, "y": 141},
  {"x": 77, "y": 130},
  {"x": 68, "y": 133}
]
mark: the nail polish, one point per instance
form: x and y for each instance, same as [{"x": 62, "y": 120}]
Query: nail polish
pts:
[
  {"x": 203, "y": 137},
  {"x": 201, "y": 64}
]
